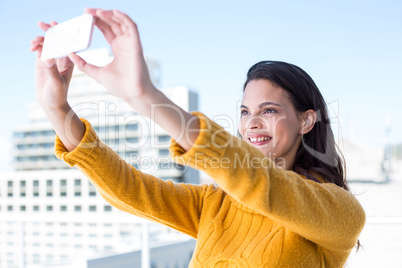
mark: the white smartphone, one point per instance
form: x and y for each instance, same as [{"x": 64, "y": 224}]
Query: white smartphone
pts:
[{"x": 70, "y": 36}]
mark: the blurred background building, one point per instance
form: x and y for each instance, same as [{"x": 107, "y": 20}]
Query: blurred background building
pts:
[
  {"x": 51, "y": 215},
  {"x": 375, "y": 178}
]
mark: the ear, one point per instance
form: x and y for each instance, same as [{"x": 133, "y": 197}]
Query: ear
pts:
[{"x": 309, "y": 118}]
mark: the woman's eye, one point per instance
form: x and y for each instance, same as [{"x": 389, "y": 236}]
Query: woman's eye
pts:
[
  {"x": 269, "y": 111},
  {"x": 243, "y": 112}
]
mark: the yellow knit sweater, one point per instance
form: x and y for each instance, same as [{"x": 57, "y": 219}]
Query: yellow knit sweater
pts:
[{"x": 258, "y": 215}]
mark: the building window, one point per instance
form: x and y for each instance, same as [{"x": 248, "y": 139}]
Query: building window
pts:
[
  {"x": 163, "y": 138},
  {"x": 23, "y": 208},
  {"x": 92, "y": 189},
  {"x": 49, "y": 188},
  {"x": 19, "y": 134},
  {"x": 63, "y": 208},
  {"x": 10, "y": 188},
  {"x": 22, "y": 189},
  {"x": 63, "y": 187},
  {"x": 77, "y": 187},
  {"x": 131, "y": 127},
  {"x": 35, "y": 188},
  {"x": 48, "y": 133},
  {"x": 35, "y": 208},
  {"x": 107, "y": 208},
  {"x": 164, "y": 152},
  {"x": 77, "y": 208},
  {"x": 10, "y": 208},
  {"x": 49, "y": 208},
  {"x": 36, "y": 258},
  {"x": 92, "y": 208}
]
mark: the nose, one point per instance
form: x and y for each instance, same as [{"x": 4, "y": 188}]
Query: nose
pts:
[{"x": 255, "y": 122}]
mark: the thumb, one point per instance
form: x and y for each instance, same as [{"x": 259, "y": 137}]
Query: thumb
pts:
[
  {"x": 83, "y": 66},
  {"x": 51, "y": 68}
]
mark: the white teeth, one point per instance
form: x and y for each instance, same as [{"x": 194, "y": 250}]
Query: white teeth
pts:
[{"x": 259, "y": 139}]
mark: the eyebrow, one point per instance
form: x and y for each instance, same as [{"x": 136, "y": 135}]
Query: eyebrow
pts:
[{"x": 261, "y": 105}]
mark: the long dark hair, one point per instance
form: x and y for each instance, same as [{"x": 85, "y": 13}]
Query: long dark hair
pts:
[{"x": 318, "y": 155}]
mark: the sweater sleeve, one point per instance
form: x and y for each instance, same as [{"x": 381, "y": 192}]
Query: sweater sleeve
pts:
[
  {"x": 173, "y": 204},
  {"x": 321, "y": 212}
]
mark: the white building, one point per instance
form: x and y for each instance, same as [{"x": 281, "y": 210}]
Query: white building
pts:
[{"x": 49, "y": 212}]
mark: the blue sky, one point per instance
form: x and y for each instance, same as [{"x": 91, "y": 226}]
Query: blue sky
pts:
[{"x": 352, "y": 49}]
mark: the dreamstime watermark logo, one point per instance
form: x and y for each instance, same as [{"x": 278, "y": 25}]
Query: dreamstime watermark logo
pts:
[{"x": 133, "y": 132}]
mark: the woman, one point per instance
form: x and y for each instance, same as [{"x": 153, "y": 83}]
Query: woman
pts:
[{"x": 276, "y": 203}]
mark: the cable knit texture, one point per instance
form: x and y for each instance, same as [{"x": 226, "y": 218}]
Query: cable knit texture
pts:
[{"x": 259, "y": 215}]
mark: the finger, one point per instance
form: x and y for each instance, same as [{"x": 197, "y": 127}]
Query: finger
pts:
[
  {"x": 51, "y": 69},
  {"x": 36, "y": 43},
  {"x": 37, "y": 40},
  {"x": 49, "y": 63},
  {"x": 130, "y": 25},
  {"x": 43, "y": 26},
  {"x": 104, "y": 23},
  {"x": 83, "y": 66},
  {"x": 64, "y": 65},
  {"x": 90, "y": 11},
  {"x": 106, "y": 16},
  {"x": 38, "y": 50},
  {"x": 53, "y": 23},
  {"x": 34, "y": 47},
  {"x": 105, "y": 29}
]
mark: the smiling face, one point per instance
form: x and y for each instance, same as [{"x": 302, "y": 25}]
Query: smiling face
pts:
[{"x": 270, "y": 122}]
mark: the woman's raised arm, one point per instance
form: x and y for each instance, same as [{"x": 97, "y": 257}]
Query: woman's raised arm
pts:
[{"x": 126, "y": 77}]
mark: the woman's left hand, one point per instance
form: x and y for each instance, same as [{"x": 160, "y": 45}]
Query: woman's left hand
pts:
[{"x": 127, "y": 75}]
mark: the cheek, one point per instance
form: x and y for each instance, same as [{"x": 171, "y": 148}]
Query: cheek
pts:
[{"x": 286, "y": 130}]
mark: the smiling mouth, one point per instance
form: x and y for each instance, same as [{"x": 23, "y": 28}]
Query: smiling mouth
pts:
[{"x": 259, "y": 140}]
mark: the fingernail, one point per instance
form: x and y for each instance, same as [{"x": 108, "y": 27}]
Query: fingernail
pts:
[{"x": 49, "y": 63}]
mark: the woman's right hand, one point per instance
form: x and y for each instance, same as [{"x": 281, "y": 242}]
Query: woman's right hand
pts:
[
  {"x": 52, "y": 77},
  {"x": 52, "y": 81}
]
